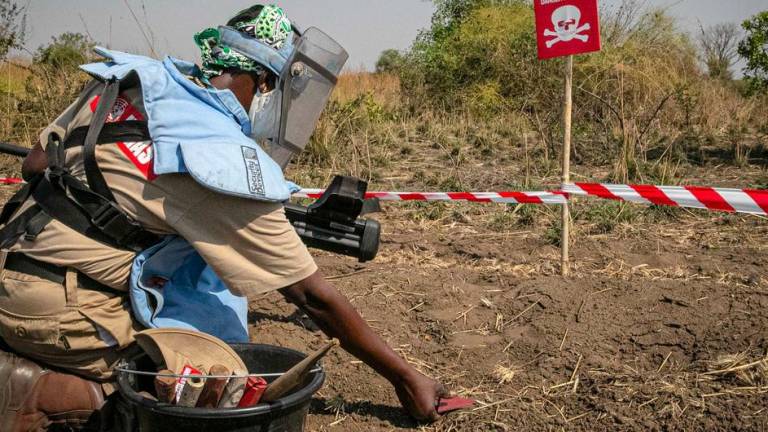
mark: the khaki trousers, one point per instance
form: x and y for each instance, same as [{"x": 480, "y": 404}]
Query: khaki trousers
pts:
[{"x": 81, "y": 331}]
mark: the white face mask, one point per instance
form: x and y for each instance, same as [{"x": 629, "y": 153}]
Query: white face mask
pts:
[{"x": 264, "y": 115}]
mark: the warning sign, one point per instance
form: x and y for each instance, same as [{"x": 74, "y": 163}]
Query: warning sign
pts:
[{"x": 566, "y": 27}]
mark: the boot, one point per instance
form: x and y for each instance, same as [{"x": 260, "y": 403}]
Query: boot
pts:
[{"x": 35, "y": 399}]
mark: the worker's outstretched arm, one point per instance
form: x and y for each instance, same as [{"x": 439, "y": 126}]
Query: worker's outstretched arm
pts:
[{"x": 334, "y": 314}]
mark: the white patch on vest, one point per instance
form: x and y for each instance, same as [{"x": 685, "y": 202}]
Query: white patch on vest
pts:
[
  {"x": 253, "y": 168},
  {"x": 118, "y": 110},
  {"x": 142, "y": 151}
]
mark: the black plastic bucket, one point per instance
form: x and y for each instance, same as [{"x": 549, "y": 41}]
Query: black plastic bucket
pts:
[{"x": 286, "y": 414}]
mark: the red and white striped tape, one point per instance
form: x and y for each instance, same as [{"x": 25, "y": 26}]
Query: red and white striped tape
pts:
[
  {"x": 728, "y": 200},
  {"x": 748, "y": 201},
  {"x": 480, "y": 197}
]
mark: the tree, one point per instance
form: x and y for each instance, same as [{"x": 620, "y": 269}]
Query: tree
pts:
[
  {"x": 12, "y": 19},
  {"x": 719, "y": 45},
  {"x": 67, "y": 50},
  {"x": 390, "y": 61},
  {"x": 754, "y": 49}
]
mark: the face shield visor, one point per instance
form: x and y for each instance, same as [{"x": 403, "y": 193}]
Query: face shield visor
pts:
[{"x": 308, "y": 69}]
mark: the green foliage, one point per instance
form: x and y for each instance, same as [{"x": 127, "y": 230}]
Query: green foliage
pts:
[
  {"x": 390, "y": 61},
  {"x": 12, "y": 20},
  {"x": 478, "y": 55},
  {"x": 754, "y": 49},
  {"x": 514, "y": 216},
  {"x": 65, "y": 51},
  {"x": 553, "y": 234}
]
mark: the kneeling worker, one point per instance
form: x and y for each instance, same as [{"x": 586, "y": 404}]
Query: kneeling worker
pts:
[{"x": 154, "y": 150}]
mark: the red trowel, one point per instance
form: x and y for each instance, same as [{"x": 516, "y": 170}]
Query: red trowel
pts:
[{"x": 455, "y": 403}]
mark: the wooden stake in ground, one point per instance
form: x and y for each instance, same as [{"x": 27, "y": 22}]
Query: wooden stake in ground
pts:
[{"x": 565, "y": 241}]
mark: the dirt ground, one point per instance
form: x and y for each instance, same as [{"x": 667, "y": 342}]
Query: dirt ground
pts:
[{"x": 661, "y": 327}]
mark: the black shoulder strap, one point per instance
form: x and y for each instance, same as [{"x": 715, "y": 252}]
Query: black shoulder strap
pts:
[
  {"x": 92, "y": 172},
  {"x": 13, "y": 204},
  {"x": 29, "y": 223},
  {"x": 126, "y": 131},
  {"x": 33, "y": 216},
  {"x": 71, "y": 202}
]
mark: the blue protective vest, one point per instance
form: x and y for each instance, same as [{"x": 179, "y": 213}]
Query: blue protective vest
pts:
[
  {"x": 200, "y": 131},
  {"x": 203, "y": 132}
]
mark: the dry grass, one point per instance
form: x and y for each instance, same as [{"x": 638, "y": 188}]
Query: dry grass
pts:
[
  {"x": 13, "y": 73},
  {"x": 352, "y": 84}
]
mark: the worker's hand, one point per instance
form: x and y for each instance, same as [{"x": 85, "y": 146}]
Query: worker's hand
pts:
[{"x": 419, "y": 395}]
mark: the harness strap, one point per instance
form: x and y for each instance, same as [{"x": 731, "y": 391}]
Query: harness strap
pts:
[
  {"x": 54, "y": 152},
  {"x": 72, "y": 203},
  {"x": 91, "y": 209},
  {"x": 13, "y": 204},
  {"x": 92, "y": 172},
  {"x": 126, "y": 131},
  {"x": 11, "y": 232}
]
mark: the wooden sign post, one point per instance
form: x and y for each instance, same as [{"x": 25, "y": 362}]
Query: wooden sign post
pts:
[
  {"x": 565, "y": 240},
  {"x": 565, "y": 28}
]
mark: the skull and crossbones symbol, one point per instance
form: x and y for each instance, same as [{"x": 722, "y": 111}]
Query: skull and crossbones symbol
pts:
[{"x": 566, "y": 21}]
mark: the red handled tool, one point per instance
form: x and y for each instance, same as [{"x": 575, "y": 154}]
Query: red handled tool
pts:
[{"x": 455, "y": 403}]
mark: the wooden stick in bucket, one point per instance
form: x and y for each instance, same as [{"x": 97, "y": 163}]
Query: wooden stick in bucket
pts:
[
  {"x": 214, "y": 387},
  {"x": 191, "y": 392},
  {"x": 233, "y": 392},
  {"x": 165, "y": 387},
  {"x": 296, "y": 374}
]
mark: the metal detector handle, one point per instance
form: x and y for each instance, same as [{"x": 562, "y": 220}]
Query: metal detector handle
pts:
[{"x": 14, "y": 150}]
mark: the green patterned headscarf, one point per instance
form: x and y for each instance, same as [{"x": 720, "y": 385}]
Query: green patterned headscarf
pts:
[{"x": 271, "y": 26}]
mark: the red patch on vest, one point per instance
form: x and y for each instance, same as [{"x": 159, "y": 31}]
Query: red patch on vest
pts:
[{"x": 139, "y": 153}]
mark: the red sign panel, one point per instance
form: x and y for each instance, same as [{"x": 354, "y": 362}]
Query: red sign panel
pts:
[{"x": 566, "y": 27}]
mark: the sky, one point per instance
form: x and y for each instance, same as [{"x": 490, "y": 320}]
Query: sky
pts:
[{"x": 364, "y": 27}]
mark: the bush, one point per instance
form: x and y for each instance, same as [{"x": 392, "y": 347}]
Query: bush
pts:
[
  {"x": 12, "y": 19},
  {"x": 66, "y": 51},
  {"x": 390, "y": 62},
  {"x": 484, "y": 58},
  {"x": 753, "y": 50}
]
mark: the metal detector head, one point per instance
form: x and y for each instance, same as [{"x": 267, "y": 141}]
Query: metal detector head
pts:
[
  {"x": 342, "y": 201},
  {"x": 332, "y": 223}
]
